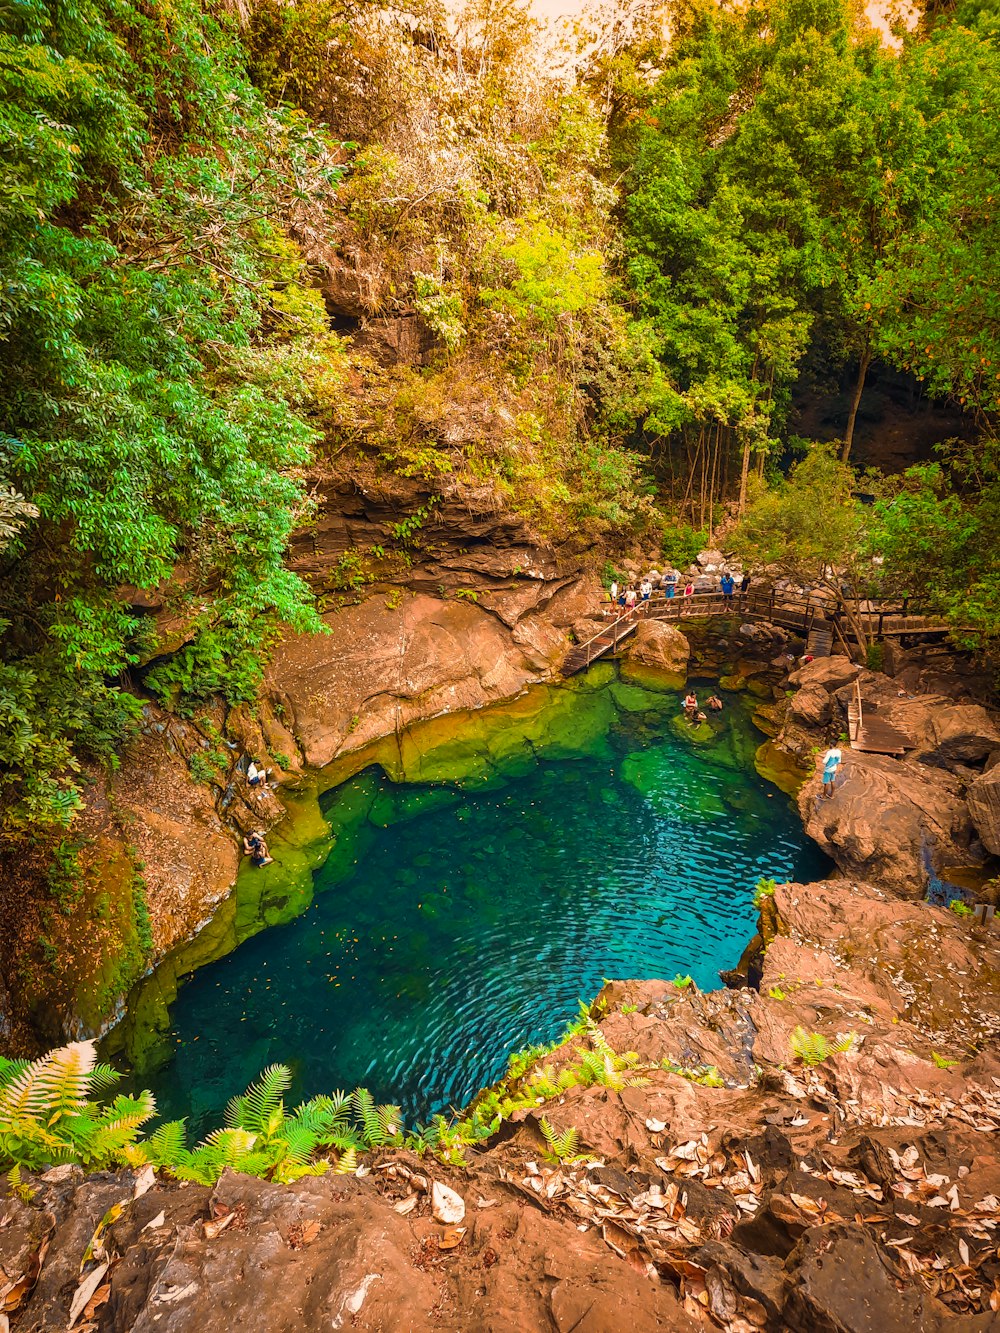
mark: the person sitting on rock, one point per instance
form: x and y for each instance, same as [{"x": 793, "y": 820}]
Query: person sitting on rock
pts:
[
  {"x": 691, "y": 706},
  {"x": 715, "y": 703},
  {"x": 257, "y": 776},
  {"x": 255, "y": 847},
  {"x": 832, "y": 761}
]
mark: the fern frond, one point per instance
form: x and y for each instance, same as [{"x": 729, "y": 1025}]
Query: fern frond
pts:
[
  {"x": 298, "y": 1142},
  {"x": 167, "y": 1145},
  {"x": 372, "y": 1125},
  {"x": 262, "y": 1108},
  {"x": 812, "y": 1048},
  {"x": 11, "y": 1069},
  {"x": 53, "y": 1085},
  {"x": 347, "y": 1163},
  {"x": 232, "y": 1117},
  {"x": 102, "y": 1077}
]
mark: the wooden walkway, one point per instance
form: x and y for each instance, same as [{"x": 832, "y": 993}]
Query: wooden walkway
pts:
[
  {"x": 870, "y": 732},
  {"x": 813, "y": 619}
]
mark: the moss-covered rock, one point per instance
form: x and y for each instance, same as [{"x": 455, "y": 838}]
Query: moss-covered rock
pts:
[{"x": 778, "y": 766}]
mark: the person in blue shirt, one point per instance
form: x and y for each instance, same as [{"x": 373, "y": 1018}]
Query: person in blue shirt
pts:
[
  {"x": 832, "y": 761},
  {"x": 727, "y": 584}
]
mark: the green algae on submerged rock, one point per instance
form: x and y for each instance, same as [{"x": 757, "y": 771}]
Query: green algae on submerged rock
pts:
[
  {"x": 651, "y": 677},
  {"x": 778, "y": 766},
  {"x": 700, "y": 733}
]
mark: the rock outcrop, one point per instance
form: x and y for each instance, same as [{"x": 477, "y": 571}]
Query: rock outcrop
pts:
[
  {"x": 889, "y": 822},
  {"x": 816, "y": 1156},
  {"x": 657, "y": 651},
  {"x": 900, "y": 822},
  {"x": 984, "y": 806}
]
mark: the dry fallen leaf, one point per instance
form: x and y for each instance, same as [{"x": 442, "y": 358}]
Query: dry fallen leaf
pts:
[
  {"x": 84, "y": 1292},
  {"x": 486, "y": 1203},
  {"x": 452, "y": 1237},
  {"x": 156, "y": 1222},
  {"x": 144, "y": 1182},
  {"x": 97, "y": 1300},
  {"x": 406, "y": 1206},
  {"x": 309, "y": 1232},
  {"x": 218, "y": 1225}
]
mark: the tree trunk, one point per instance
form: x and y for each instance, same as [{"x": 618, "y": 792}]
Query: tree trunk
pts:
[
  {"x": 866, "y": 360},
  {"x": 744, "y": 472}
]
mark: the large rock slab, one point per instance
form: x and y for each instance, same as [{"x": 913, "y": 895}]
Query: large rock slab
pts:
[
  {"x": 661, "y": 647},
  {"x": 829, "y": 672},
  {"x": 380, "y": 669},
  {"x": 984, "y": 807},
  {"x": 889, "y": 822}
]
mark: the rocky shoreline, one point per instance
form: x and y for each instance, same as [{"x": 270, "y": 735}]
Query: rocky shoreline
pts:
[
  {"x": 833, "y": 1111},
  {"x": 731, "y": 1183}
]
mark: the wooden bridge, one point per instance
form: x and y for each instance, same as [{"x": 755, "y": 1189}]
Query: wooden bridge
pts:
[{"x": 812, "y": 618}]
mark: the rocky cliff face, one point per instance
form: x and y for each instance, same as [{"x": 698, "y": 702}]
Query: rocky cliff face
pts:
[
  {"x": 730, "y": 1184},
  {"x": 473, "y": 611}
]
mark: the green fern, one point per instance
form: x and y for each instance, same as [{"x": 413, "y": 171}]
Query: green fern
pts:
[
  {"x": 812, "y": 1048},
  {"x": 562, "y": 1147}
]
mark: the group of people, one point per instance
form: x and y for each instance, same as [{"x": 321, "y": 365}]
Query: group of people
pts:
[
  {"x": 693, "y": 710},
  {"x": 627, "y": 596},
  {"x": 254, "y": 845}
]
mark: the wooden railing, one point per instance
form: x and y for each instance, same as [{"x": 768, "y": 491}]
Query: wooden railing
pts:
[{"x": 789, "y": 610}]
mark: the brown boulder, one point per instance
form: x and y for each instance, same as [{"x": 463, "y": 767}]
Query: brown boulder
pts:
[
  {"x": 381, "y": 669},
  {"x": 984, "y": 807},
  {"x": 829, "y": 672},
  {"x": 888, "y": 821},
  {"x": 963, "y": 734},
  {"x": 657, "y": 644},
  {"x": 810, "y": 705}
]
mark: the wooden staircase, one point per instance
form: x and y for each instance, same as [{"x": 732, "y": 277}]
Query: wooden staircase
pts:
[
  {"x": 871, "y": 732},
  {"x": 820, "y": 640}
]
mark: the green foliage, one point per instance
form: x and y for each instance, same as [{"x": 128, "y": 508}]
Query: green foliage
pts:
[
  {"x": 960, "y": 908},
  {"x": 65, "y": 874},
  {"x": 562, "y": 1148},
  {"x": 140, "y": 255},
  {"x": 441, "y": 309},
  {"x": 812, "y": 1048},
  {"x": 707, "y": 1075},
  {"x": 875, "y": 657},
  {"x": 682, "y": 981},
  {"x": 941, "y": 1062},
  {"x": 764, "y": 889},
  {"x": 50, "y": 1114}
]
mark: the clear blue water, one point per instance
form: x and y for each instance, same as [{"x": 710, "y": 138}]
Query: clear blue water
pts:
[{"x": 472, "y": 928}]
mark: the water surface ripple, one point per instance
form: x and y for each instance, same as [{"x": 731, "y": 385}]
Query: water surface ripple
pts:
[{"x": 470, "y": 931}]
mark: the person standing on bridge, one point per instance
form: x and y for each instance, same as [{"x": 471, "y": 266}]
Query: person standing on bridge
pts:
[
  {"x": 613, "y": 591},
  {"x": 630, "y": 599},
  {"x": 832, "y": 761},
  {"x": 646, "y": 589},
  {"x": 728, "y": 585}
]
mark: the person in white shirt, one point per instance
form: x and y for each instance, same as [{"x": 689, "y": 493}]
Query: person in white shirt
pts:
[
  {"x": 613, "y": 591},
  {"x": 832, "y": 761},
  {"x": 646, "y": 589},
  {"x": 257, "y": 777}
]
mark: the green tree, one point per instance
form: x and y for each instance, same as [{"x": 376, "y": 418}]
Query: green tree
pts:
[{"x": 140, "y": 264}]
